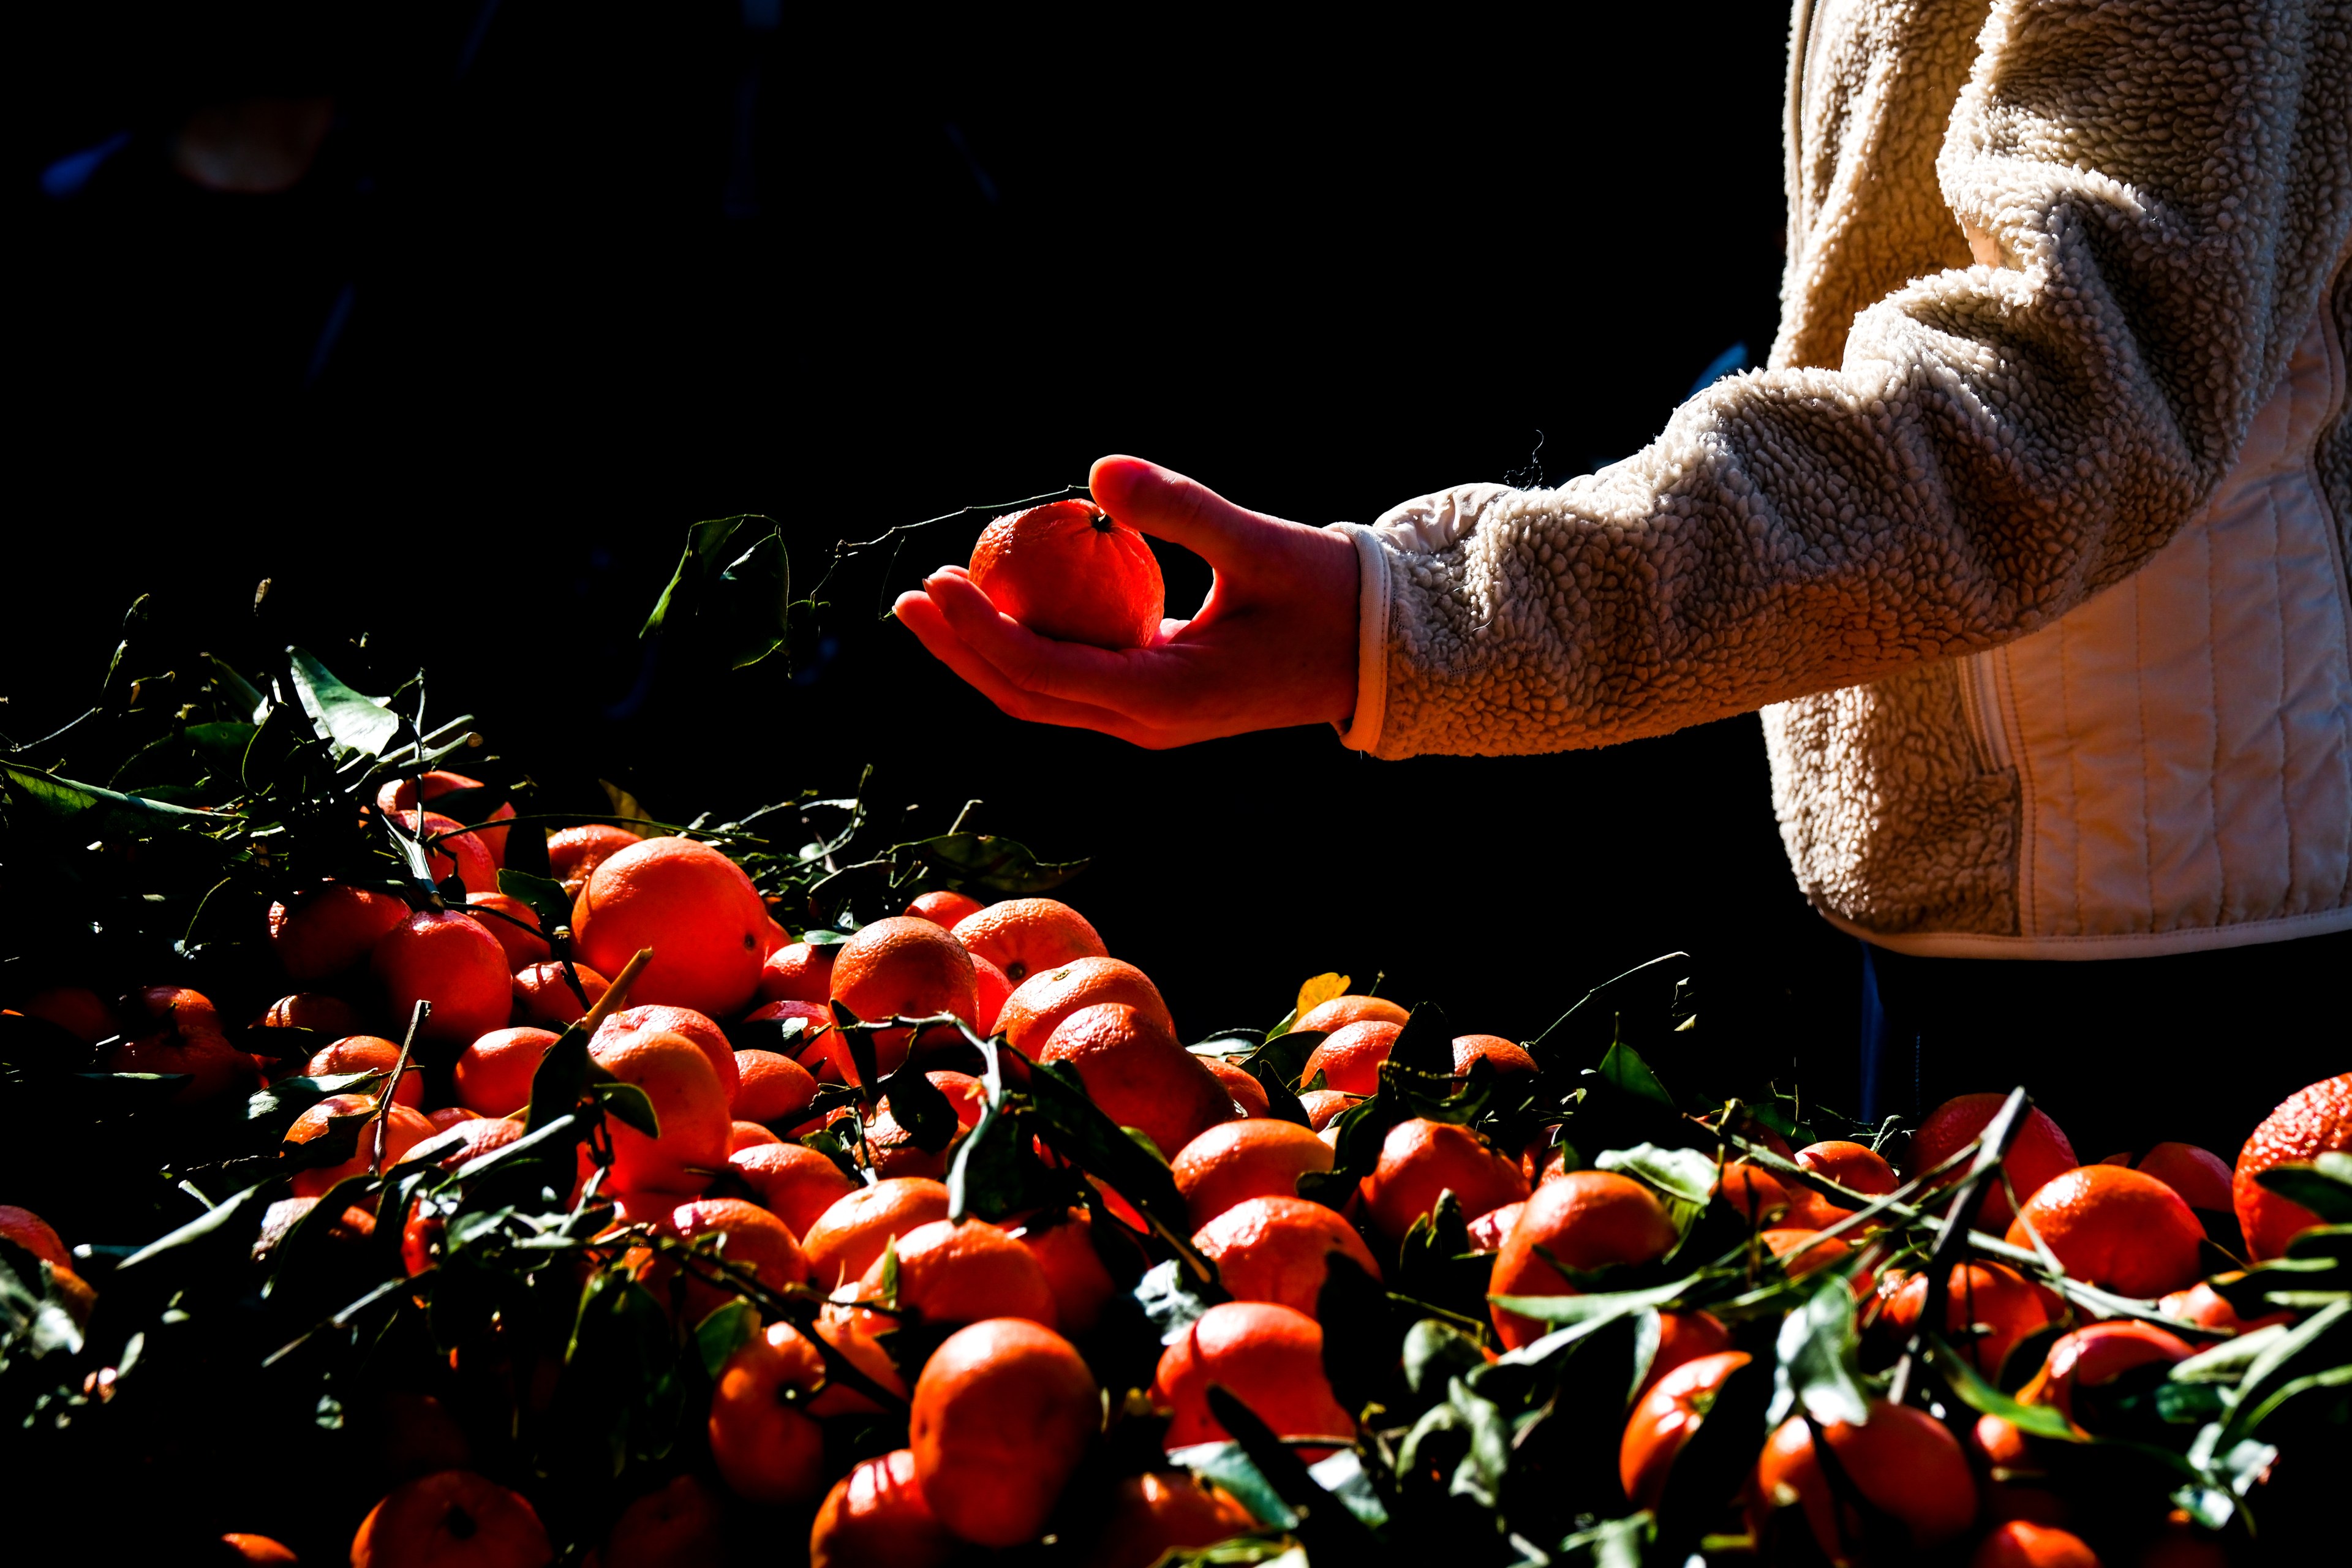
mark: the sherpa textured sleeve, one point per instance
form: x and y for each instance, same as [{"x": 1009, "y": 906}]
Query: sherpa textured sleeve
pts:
[{"x": 2152, "y": 192}]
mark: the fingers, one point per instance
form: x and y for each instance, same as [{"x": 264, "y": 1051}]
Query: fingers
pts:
[
  {"x": 921, "y": 615},
  {"x": 1125, "y": 683},
  {"x": 1166, "y": 505}
]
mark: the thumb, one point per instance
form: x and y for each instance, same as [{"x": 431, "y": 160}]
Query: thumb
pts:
[{"x": 1165, "y": 504}]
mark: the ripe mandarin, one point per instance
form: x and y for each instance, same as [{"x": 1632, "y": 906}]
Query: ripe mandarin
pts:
[
  {"x": 1023, "y": 936},
  {"x": 1269, "y": 1356},
  {"x": 2039, "y": 1152},
  {"x": 1277, "y": 1249},
  {"x": 447, "y": 959},
  {"x": 1067, "y": 570},
  {"x": 1586, "y": 1219},
  {"x": 1039, "y": 1004},
  {"x": 2115, "y": 1227},
  {"x": 1422, "y": 1160},
  {"x": 1137, "y": 1075},
  {"x": 693, "y": 906},
  {"x": 2313, "y": 1120},
  {"x": 1903, "y": 1460},
  {"x": 1003, "y": 1412},
  {"x": 874, "y": 1517},
  {"x": 1251, "y": 1159},
  {"x": 451, "y": 1519}
]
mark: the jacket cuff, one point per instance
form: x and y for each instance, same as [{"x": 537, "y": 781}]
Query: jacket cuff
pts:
[{"x": 1362, "y": 731}]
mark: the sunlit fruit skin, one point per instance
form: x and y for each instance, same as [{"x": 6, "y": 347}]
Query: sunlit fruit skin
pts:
[
  {"x": 690, "y": 1106},
  {"x": 1802, "y": 1251},
  {"x": 1324, "y": 1106},
  {"x": 792, "y": 1181},
  {"x": 2198, "y": 1175},
  {"x": 451, "y": 1519},
  {"x": 447, "y": 959},
  {"x": 771, "y": 1087},
  {"x": 1250, "y": 1159},
  {"x": 1508, "y": 1060},
  {"x": 367, "y": 1053},
  {"x": 1349, "y": 1059},
  {"x": 842, "y": 1242},
  {"x": 769, "y": 1450},
  {"x": 944, "y": 909},
  {"x": 1993, "y": 1297},
  {"x": 34, "y": 1234},
  {"x": 1039, "y": 1004},
  {"x": 493, "y": 1075},
  {"x": 2039, "y": 1152},
  {"x": 1247, "y": 1092},
  {"x": 1856, "y": 1167},
  {"x": 1421, "y": 1160},
  {"x": 903, "y": 966},
  {"x": 1068, "y": 570},
  {"x": 1903, "y": 1460},
  {"x": 403, "y": 1129},
  {"x": 689, "y": 903},
  {"x": 1329, "y": 1017},
  {"x": 1062, "y": 1241},
  {"x": 2114, "y": 1228},
  {"x": 2313, "y": 1120},
  {"x": 451, "y": 852},
  {"x": 323, "y": 931},
  {"x": 543, "y": 996},
  {"x": 1153, "y": 1514},
  {"x": 874, "y": 1517},
  {"x": 993, "y": 987},
  {"x": 657, "y": 1018},
  {"x": 754, "y": 1238},
  {"x": 1587, "y": 1219},
  {"x": 1024, "y": 936},
  {"x": 1757, "y": 1194},
  {"x": 1279, "y": 1249},
  {"x": 951, "y": 1273},
  {"x": 2202, "y": 1305},
  {"x": 521, "y": 942},
  {"x": 1002, "y": 1415},
  {"x": 329, "y": 1015},
  {"x": 2020, "y": 1543},
  {"x": 256, "y": 1549},
  {"x": 1137, "y": 1075},
  {"x": 798, "y": 971},
  {"x": 1665, "y": 1418},
  {"x": 575, "y": 853},
  {"x": 1684, "y": 1337},
  {"x": 1268, "y": 1355},
  {"x": 400, "y": 794},
  {"x": 2091, "y": 1358},
  {"x": 1487, "y": 1231}
]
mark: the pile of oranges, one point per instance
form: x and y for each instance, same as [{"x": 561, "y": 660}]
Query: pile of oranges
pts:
[{"x": 972, "y": 1344}]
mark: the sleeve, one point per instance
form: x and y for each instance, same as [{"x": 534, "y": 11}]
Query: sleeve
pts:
[{"x": 2155, "y": 194}]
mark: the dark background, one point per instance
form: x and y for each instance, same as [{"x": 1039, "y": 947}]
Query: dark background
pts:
[{"x": 566, "y": 278}]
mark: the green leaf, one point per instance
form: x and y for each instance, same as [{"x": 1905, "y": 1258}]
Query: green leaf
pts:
[
  {"x": 545, "y": 895},
  {"x": 1685, "y": 1176},
  {"x": 1817, "y": 1360},
  {"x": 561, "y": 1079},
  {"x": 239, "y": 690},
  {"x": 1425, "y": 1044},
  {"x": 735, "y": 578},
  {"x": 1078, "y": 1130},
  {"x": 1973, "y": 1391},
  {"x": 962, "y": 861},
  {"x": 1584, "y": 1312},
  {"x": 916, "y": 1105},
  {"x": 1618, "y": 1543},
  {"x": 352, "y": 724},
  {"x": 245, "y": 1205},
  {"x": 222, "y": 747},
  {"x": 114, "y": 811},
  {"x": 1228, "y": 1466},
  {"x": 726, "y": 1330},
  {"x": 35, "y": 1316},
  {"x": 1173, "y": 1301},
  {"x": 1436, "y": 1350},
  {"x": 2324, "y": 1186},
  {"x": 1623, "y": 1065},
  {"x": 628, "y": 1102}
]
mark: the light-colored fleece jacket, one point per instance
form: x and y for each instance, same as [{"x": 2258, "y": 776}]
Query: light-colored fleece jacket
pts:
[{"x": 2030, "y": 542}]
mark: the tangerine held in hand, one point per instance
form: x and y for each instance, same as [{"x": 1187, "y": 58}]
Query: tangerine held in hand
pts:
[{"x": 1067, "y": 570}]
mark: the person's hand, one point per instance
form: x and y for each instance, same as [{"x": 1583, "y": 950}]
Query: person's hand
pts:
[{"x": 1272, "y": 645}]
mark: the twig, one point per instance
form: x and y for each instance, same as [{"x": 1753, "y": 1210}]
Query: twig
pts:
[{"x": 416, "y": 1016}]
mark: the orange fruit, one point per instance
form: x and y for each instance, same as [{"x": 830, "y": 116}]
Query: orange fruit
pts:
[
  {"x": 1324, "y": 1106},
  {"x": 944, "y": 909},
  {"x": 1062, "y": 1241},
  {"x": 1487, "y": 1231},
  {"x": 2115, "y": 1227},
  {"x": 1802, "y": 1251},
  {"x": 2202, "y": 1305},
  {"x": 329, "y": 1015},
  {"x": 493, "y": 1074},
  {"x": 1903, "y": 1460},
  {"x": 903, "y": 966},
  {"x": 1753, "y": 1192},
  {"x": 1067, "y": 570},
  {"x": 325, "y": 930},
  {"x": 1152, "y": 1514},
  {"x": 448, "y": 1116},
  {"x": 1276, "y": 1249},
  {"x": 1235, "y": 1161},
  {"x": 1135, "y": 1071},
  {"x": 461, "y": 855},
  {"x": 2091, "y": 1358},
  {"x": 992, "y": 986},
  {"x": 1987, "y": 1308},
  {"x": 1350, "y": 1058},
  {"x": 1508, "y": 1060},
  {"x": 798, "y": 971},
  {"x": 689, "y": 1105},
  {"x": 2197, "y": 1174},
  {"x": 677, "y": 1526},
  {"x": 874, "y": 1517},
  {"x": 367, "y": 1053},
  {"x": 1039, "y": 1004},
  {"x": 1247, "y": 1094},
  {"x": 842, "y": 1242},
  {"x": 1665, "y": 1418},
  {"x": 1854, "y": 1166},
  {"x": 1023, "y": 936},
  {"x": 791, "y": 1181},
  {"x": 2039, "y": 1152},
  {"x": 964, "y": 1093},
  {"x": 1423, "y": 1160},
  {"x": 447, "y": 959},
  {"x": 693, "y": 906},
  {"x": 77, "y": 1010},
  {"x": 745, "y": 1135},
  {"x": 543, "y": 995},
  {"x": 771, "y": 1087},
  {"x": 1269, "y": 1356},
  {"x": 477, "y": 1136},
  {"x": 2020, "y": 1543},
  {"x": 1586, "y": 1219},
  {"x": 451, "y": 1519},
  {"x": 1329, "y": 1017},
  {"x": 353, "y": 1225},
  {"x": 763, "y": 1440},
  {"x": 244, "y": 1548},
  {"x": 400, "y": 794},
  {"x": 403, "y": 1129},
  {"x": 695, "y": 1026},
  {"x": 1003, "y": 1412},
  {"x": 1683, "y": 1338},
  {"x": 748, "y": 1236},
  {"x": 894, "y": 1152},
  {"x": 951, "y": 1273},
  {"x": 31, "y": 1232},
  {"x": 2313, "y": 1120},
  {"x": 190, "y": 1041},
  {"x": 575, "y": 853}
]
